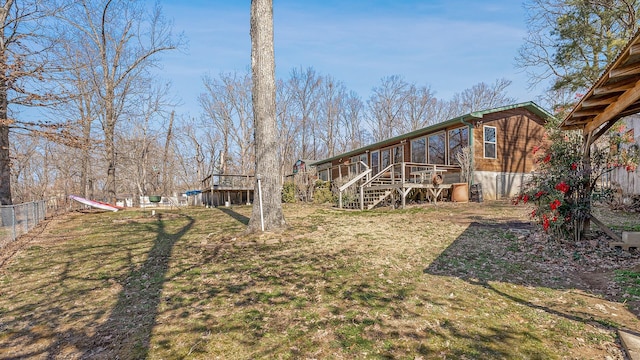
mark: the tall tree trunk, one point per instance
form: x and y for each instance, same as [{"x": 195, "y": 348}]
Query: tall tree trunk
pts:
[
  {"x": 264, "y": 106},
  {"x": 86, "y": 154},
  {"x": 165, "y": 158},
  {"x": 109, "y": 143},
  {"x": 5, "y": 159}
]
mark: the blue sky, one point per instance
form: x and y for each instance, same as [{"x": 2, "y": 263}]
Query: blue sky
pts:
[{"x": 449, "y": 45}]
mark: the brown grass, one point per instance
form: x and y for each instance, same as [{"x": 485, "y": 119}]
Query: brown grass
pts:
[{"x": 446, "y": 281}]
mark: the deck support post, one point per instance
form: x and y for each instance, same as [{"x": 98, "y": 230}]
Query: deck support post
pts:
[{"x": 404, "y": 194}]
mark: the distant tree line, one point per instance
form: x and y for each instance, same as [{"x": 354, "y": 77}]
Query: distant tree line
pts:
[
  {"x": 318, "y": 117},
  {"x": 83, "y": 110}
]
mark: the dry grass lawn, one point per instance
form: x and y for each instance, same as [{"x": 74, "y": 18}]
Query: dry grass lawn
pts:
[{"x": 452, "y": 281}]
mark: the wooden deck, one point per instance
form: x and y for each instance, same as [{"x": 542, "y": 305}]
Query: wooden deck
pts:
[
  {"x": 397, "y": 180},
  {"x": 227, "y": 189}
]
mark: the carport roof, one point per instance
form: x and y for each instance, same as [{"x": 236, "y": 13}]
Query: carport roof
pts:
[{"x": 615, "y": 95}]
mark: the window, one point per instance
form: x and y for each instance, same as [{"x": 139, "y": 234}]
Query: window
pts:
[
  {"x": 436, "y": 153},
  {"x": 385, "y": 158},
  {"x": 375, "y": 162},
  {"x": 353, "y": 165},
  {"x": 398, "y": 154},
  {"x": 490, "y": 142},
  {"x": 419, "y": 150},
  {"x": 458, "y": 139},
  {"x": 364, "y": 159},
  {"x": 324, "y": 175}
]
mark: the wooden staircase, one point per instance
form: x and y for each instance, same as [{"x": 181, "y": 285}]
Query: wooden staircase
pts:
[
  {"x": 369, "y": 193},
  {"x": 393, "y": 183}
]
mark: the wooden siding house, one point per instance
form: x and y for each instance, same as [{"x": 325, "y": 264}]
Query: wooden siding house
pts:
[{"x": 423, "y": 164}]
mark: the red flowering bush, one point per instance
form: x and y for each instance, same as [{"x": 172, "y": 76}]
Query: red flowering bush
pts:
[{"x": 560, "y": 189}]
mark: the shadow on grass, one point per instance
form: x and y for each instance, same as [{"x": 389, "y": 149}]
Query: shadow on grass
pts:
[
  {"x": 127, "y": 331},
  {"x": 473, "y": 258},
  {"x": 237, "y": 216}
]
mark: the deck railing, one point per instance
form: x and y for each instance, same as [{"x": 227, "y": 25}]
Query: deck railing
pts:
[
  {"x": 398, "y": 175},
  {"x": 228, "y": 181}
]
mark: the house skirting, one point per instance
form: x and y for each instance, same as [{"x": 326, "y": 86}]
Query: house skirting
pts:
[{"x": 499, "y": 185}]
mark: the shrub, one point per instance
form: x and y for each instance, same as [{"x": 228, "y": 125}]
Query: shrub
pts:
[
  {"x": 562, "y": 187},
  {"x": 289, "y": 192},
  {"x": 322, "y": 192}
]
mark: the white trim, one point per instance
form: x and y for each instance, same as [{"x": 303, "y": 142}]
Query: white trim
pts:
[{"x": 485, "y": 142}]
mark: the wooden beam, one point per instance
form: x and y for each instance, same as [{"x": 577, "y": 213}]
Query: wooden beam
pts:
[
  {"x": 587, "y": 113},
  {"x": 624, "y": 101},
  {"x": 604, "y": 228},
  {"x": 632, "y": 69},
  {"x": 617, "y": 87},
  {"x": 631, "y": 110},
  {"x": 599, "y": 102},
  {"x": 582, "y": 121},
  {"x": 634, "y": 49}
]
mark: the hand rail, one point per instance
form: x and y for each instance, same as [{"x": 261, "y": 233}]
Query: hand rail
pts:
[
  {"x": 354, "y": 180},
  {"x": 378, "y": 175}
]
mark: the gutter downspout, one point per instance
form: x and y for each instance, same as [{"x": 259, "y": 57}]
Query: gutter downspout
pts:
[{"x": 473, "y": 152}]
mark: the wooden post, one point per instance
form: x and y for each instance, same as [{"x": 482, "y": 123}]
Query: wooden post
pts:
[{"x": 404, "y": 194}]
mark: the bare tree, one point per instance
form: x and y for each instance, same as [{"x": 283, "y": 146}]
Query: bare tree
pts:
[
  {"x": 197, "y": 146},
  {"x": 386, "y": 107},
  {"x": 481, "y": 96},
  {"x": 304, "y": 86},
  {"x": 332, "y": 93},
  {"x": 127, "y": 41},
  {"x": 227, "y": 102},
  {"x": 420, "y": 109},
  {"x": 23, "y": 64},
  {"x": 269, "y": 183},
  {"x": 140, "y": 151},
  {"x": 288, "y": 127},
  {"x": 352, "y": 133}
]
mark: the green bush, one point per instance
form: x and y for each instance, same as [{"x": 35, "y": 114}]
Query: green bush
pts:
[
  {"x": 289, "y": 192},
  {"x": 563, "y": 186},
  {"x": 322, "y": 192}
]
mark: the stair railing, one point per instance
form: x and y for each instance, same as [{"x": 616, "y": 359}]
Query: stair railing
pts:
[{"x": 365, "y": 174}]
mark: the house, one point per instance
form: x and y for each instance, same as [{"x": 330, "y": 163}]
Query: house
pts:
[
  {"x": 500, "y": 140},
  {"x": 302, "y": 166}
]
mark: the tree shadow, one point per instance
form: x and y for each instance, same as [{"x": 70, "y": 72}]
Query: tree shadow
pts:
[
  {"x": 237, "y": 216},
  {"x": 485, "y": 261},
  {"x": 126, "y": 333}
]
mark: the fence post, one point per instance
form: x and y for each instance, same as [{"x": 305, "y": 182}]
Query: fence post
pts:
[
  {"x": 13, "y": 220},
  {"x": 26, "y": 217}
]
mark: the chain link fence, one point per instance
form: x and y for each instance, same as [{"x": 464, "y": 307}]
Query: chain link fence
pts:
[{"x": 16, "y": 220}]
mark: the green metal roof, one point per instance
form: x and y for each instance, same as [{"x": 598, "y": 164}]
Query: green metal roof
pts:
[{"x": 531, "y": 106}]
